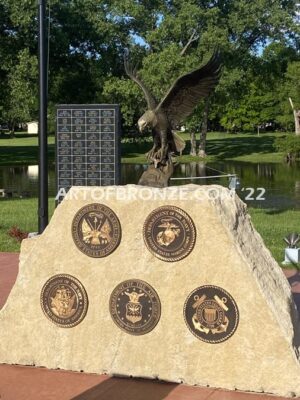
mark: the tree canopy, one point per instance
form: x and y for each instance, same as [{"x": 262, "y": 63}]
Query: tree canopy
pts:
[{"x": 259, "y": 42}]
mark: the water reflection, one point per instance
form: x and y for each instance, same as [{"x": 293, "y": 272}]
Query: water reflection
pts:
[{"x": 281, "y": 181}]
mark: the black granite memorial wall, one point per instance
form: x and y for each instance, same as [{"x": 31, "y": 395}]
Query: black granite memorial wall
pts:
[{"x": 87, "y": 146}]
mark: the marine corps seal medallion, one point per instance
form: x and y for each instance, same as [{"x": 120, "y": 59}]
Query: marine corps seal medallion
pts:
[
  {"x": 96, "y": 230},
  {"x": 135, "y": 307},
  {"x": 169, "y": 233},
  {"x": 64, "y": 301},
  {"x": 211, "y": 314}
]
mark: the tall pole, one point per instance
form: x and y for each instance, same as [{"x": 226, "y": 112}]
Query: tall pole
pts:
[{"x": 43, "y": 144}]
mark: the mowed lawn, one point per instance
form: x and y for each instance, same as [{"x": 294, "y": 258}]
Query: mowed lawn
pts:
[
  {"x": 273, "y": 225},
  {"x": 23, "y": 149}
]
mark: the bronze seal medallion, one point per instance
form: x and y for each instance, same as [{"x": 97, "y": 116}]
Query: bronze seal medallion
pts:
[
  {"x": 211, "y": 314},
  {"x": 64, "y": 301},
  {"x": 96, "y": 230},
  {"x": 135, "y": 307},
  {"x": 169, "y": 233}
]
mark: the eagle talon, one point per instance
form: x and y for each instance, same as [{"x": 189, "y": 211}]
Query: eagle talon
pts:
[{"x": 152, "y": 153}]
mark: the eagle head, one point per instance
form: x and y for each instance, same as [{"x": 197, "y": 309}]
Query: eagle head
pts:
[{"x": 147, "y": 120}]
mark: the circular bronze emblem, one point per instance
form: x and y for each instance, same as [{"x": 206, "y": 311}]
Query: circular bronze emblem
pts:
[
  {"x": 135, "y": 307},
  {"x": 211, "y": 314},
  {"x": 96, "y": 230},
  {"x": 169, "y": 233},
  {"x": 64, "y": 301}
]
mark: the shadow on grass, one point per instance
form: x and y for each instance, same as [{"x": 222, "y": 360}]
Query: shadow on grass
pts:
[
  {"x": 239, "y": 146},
  {"x": 221, "y": 149},
  {"x": 7, "y": 136},
  {"x": 25, "y": 155},
  {"x": 130, "y": 150},
  {"x": 275, "y": 211}
]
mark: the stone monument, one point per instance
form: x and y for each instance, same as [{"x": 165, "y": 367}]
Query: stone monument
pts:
[{"x": 170, "y": 283}]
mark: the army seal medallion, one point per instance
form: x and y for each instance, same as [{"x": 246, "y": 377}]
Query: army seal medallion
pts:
[
  {"x": 96, "y": 230},
  {"x": 169, "y": 233},
  {"x": 135, "y": 307},
  {"x": 211, "y": 314},
  {"x": 64, "y": 301}
]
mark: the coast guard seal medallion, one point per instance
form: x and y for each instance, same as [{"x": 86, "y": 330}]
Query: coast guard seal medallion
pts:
[
  {"x": 64, "y": 301},
  {"x": 96, "y": 230},
  {"x": 211, "y": 314},
  {"x": 135, "y": 307},
  {"x": 169, "y": 233}
]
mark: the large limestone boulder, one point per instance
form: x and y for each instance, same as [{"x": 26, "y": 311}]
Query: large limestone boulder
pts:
[{"x": 215, "y": 310}]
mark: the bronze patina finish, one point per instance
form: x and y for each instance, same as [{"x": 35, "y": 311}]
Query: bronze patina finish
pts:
[
  {"x": 211, "y": 314},
  {"x": 64, "y": 301},
  {"x": 96, "y": 230},
  {"x": 169, "y": 233},
  {"x": 135, "y": 307},
  {"x": 162, "y": 118}
]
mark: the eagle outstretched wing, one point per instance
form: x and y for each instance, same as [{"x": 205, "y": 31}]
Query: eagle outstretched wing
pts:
[
  {"x": 133, "y": 75},
  {"x": 187, "y": 91}
]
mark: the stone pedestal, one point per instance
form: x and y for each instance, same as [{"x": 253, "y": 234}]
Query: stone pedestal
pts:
[{"x": 216, "y": 310}]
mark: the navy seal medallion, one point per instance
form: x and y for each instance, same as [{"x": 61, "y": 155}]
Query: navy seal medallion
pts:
[{"x": 64, "y": 301}]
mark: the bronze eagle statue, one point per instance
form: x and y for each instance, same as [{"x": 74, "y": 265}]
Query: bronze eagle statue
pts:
[{"x": 177, "y": 104}]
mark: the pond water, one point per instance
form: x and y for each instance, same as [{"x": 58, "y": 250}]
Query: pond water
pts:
[{"x": 267, "y": 185}]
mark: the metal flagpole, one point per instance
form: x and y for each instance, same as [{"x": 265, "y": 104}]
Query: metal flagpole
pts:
[{"x": 43, "y": 141}]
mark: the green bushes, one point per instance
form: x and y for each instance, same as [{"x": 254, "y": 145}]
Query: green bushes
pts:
[{"x": 289, "y": 145}]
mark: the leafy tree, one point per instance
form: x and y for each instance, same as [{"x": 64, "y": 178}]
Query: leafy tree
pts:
[
  {"x": 126, "y": 93},
  {"x": 239, "y": 28},
  {"x": 289, "y": 145},
  {"x": 289, "y": 88},
  {"x": 21, "y": 100},
  {"x": 87, "y": 41}
]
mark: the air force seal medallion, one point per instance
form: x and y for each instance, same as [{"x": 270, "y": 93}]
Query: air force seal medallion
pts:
[
  {"x": 135, "y": 307},
  {"x": 211, "y": 314},
  {"x": 64, "y": 301},
  {"x": 169, "y": 233},
  {"x": 96, "y": 230}
]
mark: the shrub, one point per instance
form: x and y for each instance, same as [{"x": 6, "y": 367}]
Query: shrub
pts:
[
  {"x": 15, "y": 232},
  {"x": 289, "y": 145}
]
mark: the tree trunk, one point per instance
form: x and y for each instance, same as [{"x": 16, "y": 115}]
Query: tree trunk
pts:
[
  {"x": 193, "y": 151},
  {"x": 203, "y": 134},
  {"x": 11, "y": 127},
  {"x": 296, "y": 117},
  {"x": 297, "y": 121}
]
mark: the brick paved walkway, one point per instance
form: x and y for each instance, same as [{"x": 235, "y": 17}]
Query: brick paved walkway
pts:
[{"x": 29, "y": 383}]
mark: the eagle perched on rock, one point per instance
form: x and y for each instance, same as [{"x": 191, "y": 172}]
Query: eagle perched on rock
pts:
[{"x": 177, "y": 104}]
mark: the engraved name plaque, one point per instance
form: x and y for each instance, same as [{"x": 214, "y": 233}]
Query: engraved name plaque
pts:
[{"x": 87, "y": 146}]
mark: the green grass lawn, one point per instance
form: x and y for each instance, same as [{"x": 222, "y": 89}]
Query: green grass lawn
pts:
[
  {"x": 23, "y": 149},
  {"x": 21, "y": 213},
  {"x": 273, "y": 225},
  {"x": 220, "y": 146}
]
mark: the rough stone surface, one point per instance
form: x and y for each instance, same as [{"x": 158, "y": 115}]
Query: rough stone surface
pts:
[{"x": 262, "y": 355}]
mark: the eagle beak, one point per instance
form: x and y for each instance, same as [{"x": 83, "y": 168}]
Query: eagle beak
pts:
[{"x": 142, "y": 125}]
